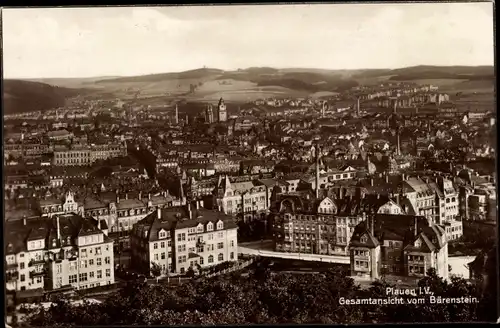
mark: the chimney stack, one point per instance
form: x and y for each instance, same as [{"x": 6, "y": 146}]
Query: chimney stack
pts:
[
  {"x": 317, "y": 170},
  {"x": 386, "y": 178},
  {"x": 197, "y": 204},
  {"x": 190, "y": 212},
  {"x": 149, "y": 196},
  {"x": 117, "y": 198},
  {"x": 341, "y": 193},
  {"x": 58, "y": 227},
  {"x": 140, "y": 195},
  {"x": 158, "y": 213},
  {"x": 415, "y": 221},
  {"x": 98, "y": 223},
  {"x": 371, "y": 182},
  {"x": 373, "y": 225},
  {"x": 24, "y": 220}
]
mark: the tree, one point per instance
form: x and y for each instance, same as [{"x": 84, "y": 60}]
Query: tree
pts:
[{"x": 155, "y": 269}]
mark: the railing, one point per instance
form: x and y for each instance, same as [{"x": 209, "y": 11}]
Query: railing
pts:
[{"x": 233, "y": 268}]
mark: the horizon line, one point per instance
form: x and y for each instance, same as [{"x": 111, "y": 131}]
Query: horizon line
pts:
[{"x": 234, "y": 70}]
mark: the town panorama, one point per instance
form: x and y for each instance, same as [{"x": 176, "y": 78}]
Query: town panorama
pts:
[{"x": 254, "y": 195}]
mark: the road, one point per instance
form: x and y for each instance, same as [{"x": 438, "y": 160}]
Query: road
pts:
[{"x": 265, "y": 248}]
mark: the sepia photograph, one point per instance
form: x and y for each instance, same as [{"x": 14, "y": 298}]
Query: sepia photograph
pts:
[{"x": 250, "y": 164}]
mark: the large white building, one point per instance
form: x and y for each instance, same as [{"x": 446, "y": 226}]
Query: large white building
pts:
[
  {"x": 53, "y": 252},
  {"x": 177, "y": 238}
]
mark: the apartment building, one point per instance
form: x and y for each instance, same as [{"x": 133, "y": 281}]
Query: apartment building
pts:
[
  {"x": 51, "y": 206},
  {"x": 305, "y": 224},
  {"x": 47, "y": 253},
  {"x": 81, "y": 155},
  {"x": 121, "y": 212},
  {"x": 178, "y": 238},
  {"x": 421, "y": 196},
  {"x": 249, "y": 198},
  {"x": 398, "y": 245}
]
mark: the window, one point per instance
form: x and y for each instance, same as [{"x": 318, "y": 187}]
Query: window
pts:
[
  {"x": 155, "y": 246},
  {"x": 108, "y": 273},
  {"x": 23, "y": 277},
  {"x": 91, "y": 262},
  {"x": 98, "y": 261},
  {"x": 99, "y": 274},
  {"x": 98, "y": 250},
  {"x": 107, "y": 260},
  {"x": 231, "y": 255},
  {"x": 180, "y": 259},
  {"x": 211, "y": 259},
  {"x": 58, "y": 268},
  {"x": 220, "y": 245},
  {"x": 91, "y": 274},
  {"x": 220, "y": 235},
  {"x": 169, "y": 254},
  {"x": 38, "y": 280},
  {"x": 21, "y": 265},
  {"x": 200, "y": 249},
  {"x": 83, "y": 253},
  {"x": 211, "y": 236},
  {"x": 162, "y": 244},
  {"x": 73, "y": 279},
  {"x": 156, "y": 257},
  {"x": 83, "y": 277},
  {"x": 83, "y": 264},
  {"x": 220, "y": 226},
  {"x": 220, "y": 257},
  {"x": 169, "y": 243},
  {"x": 232, "y": 243},
  {"x": 201, "y": 260}
]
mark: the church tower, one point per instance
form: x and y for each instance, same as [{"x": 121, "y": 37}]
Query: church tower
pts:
[
  {"x": 209, "y": 114},
  {"x": 222, "y": 111}
]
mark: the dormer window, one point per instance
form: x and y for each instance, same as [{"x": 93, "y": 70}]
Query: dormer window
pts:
[
  {"x": 364, "y": 239},
  {"x": 210, "y": 226},
  {"x": 418, "y": 243},
  {"x": 200, "y": 228},
  {"x": 54, "y": 242},
  {"x": 162, "y": 234},
  {"x": 220, "y": 225}
]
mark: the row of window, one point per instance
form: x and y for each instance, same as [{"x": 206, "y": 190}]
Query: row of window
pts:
[
  {"x": 210, "y": 258},
  {"x": 83, "y": 277},
  {"x": 83, "y": 263}
]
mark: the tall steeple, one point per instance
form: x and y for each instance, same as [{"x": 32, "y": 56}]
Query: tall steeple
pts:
[{"x": 221, "y": 110}]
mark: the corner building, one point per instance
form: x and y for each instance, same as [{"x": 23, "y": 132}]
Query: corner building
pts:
[
  {"x": 63, "y": 250},
  {"x": 177, "y": 238}
]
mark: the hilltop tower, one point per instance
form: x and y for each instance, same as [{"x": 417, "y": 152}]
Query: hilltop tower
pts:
[
  {"x": 222, "y": 111},
  {"x": 209, "y": 114}
]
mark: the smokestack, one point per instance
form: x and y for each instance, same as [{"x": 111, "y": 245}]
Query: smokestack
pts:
[
  {"x": 140, "y": 195},
  {"x": 317, "y": 170},
  {"x": 341, "y": 193},
  {"x": 415, "y": 221},
  {"x": 372, "y": 229},
  {"x": 197, "y": 204},
  {"x": 149, "y": 196},
  {"x": 395, "y": 106},
  {"x": 158, "y": 213},
  {"x": 98, "y": 223},
  {"x": 386, "y": 178},
  {"x": 398, "y": 151},
  {"x": 358, "y": 108},
  {"x": 58, "y": 227},
  {"x": 117, "y": 198},
  {"x": 190, "y": 212},
  {"x": 176, "y": 114},
  {"x": 371, "y": 182}
]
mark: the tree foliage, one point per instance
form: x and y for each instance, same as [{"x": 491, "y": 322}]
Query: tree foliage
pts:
[{"x": 261, "y": 297}]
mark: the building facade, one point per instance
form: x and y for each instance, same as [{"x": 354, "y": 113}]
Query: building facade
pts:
[
  {"x": 63, "y": 250},
  {"x": 398, "y": 245},
  {"x": 178, "y": 238}
]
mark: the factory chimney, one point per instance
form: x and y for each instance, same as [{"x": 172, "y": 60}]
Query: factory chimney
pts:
[
  {"x": 317, "y": 170},
  {"x": 58, "y": 227},
  {"x": 358, "y": 108},
  {"x": 395, "y": 106},
  {"x": 176, "y": 114}
]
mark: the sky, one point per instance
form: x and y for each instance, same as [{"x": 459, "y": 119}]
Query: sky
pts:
[{"x": 126, "y": 41}]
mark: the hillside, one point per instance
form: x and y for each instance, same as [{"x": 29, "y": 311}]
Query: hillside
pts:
[
  {"x": 26, "y": 96},
  {"x": 242, "y": 85}
]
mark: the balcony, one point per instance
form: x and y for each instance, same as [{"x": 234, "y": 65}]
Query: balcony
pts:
[
  {"x": 34, "y": 274},
  {"x": 36, "y": 262},
  {"x": 11, "y": 266}
]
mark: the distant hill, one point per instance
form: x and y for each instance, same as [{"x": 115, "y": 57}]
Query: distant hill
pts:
[
  {"x": 248, "y": 84},
  {"x": 26, "y": 96},
  {"x": 192, "y": 74}
]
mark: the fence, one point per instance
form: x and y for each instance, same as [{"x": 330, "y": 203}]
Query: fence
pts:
[{"x": 179, "y": 280}]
